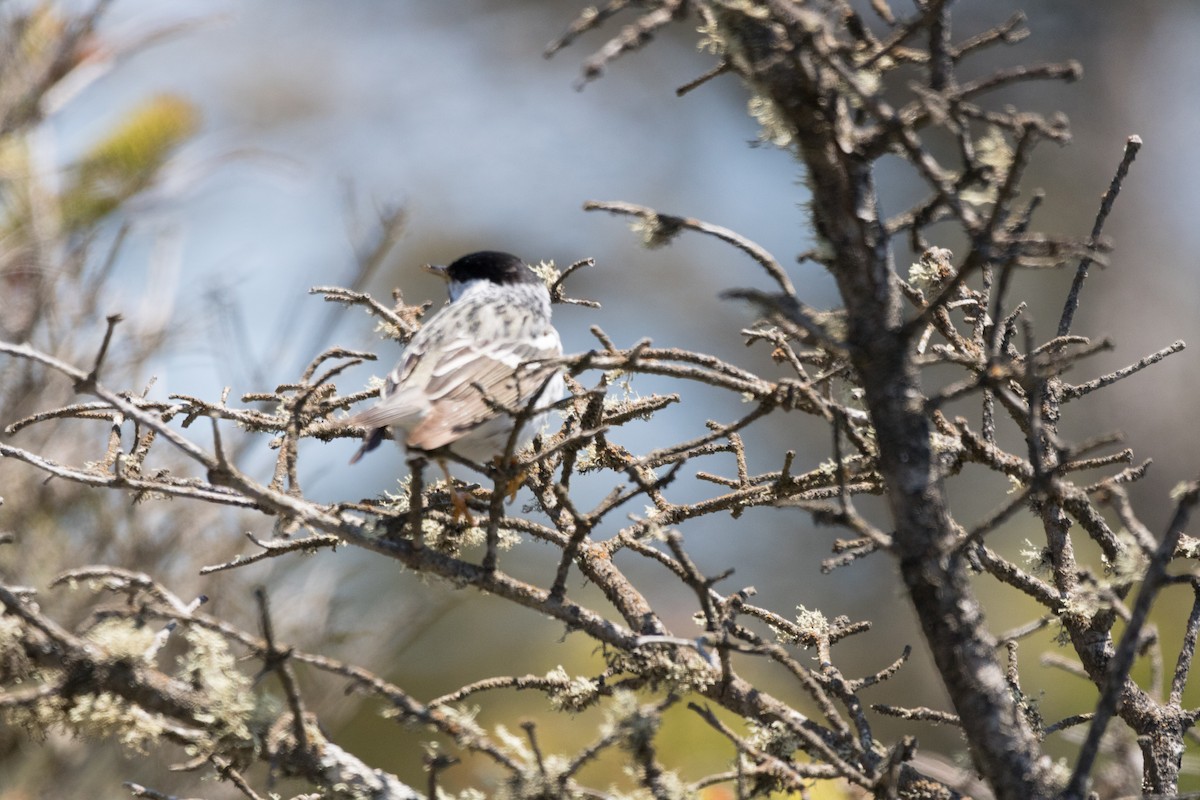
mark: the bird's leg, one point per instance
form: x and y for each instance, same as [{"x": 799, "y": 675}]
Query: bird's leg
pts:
[
  {"x": 457, "y": 499},
  {"x": 514, "y": 479}
]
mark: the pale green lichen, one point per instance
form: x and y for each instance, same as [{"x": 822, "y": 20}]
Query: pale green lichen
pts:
[
  {"x": 436, "y": 535},
  {"x": 91, "y": 715},
  {"x": 620, "y": 405},
  {"x": 655, "y": 230},
  {"x": 1084, "y": 602},
  {"x": 993, "y": 151},
  {"x": 1180, "y": 489},
  {"x": 123, "y": 638},
  {"x": 36, "y": 719},
  {"x": 210, "y": 666},
  {"x": 711, "y": 40},
  {"x": 586, "y": 459},
  {"x": 459, "y": 715},
  {"x": 546, "y": 271},
  {"x": 1130, "y": 561},
  {"x": 535, "y": 780},
  {"x": 388, "y": 330},
  {"x": 14, "y": 662},
  {"x": 811, "y": 620},
  {"x": 944, "y": 445},
  {"x": 922, "y": 275},
  {"x": 629, "y": 722},
  {"x": 1037, "y": 559},
  {"x": 515, "y": 746},
  {"x": 1188, "y": 547},
  {"x": 1060, "y": 773},
  {"x": 106, "y": 716},
  {"x": 396, "y": 502},
  {"x": 537, "y": 775},
  {"x": 774, "y": 126},
  {"x": 452, "y": 542},
  {"x": 867, "y": 83},
  {"x": 666, "y": 669},
  {"x": 652, "y": 528},
  {"x": 571, "y": 694},
  {"x": 667, "y": 784},
  {"x": 933, "y": 270},
  {"x": 775, "y": 738},
  {"x": 750, "y": 8}
]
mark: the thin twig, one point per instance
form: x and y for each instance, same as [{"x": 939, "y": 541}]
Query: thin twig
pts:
[
  {"x": 1132, "y": 145},
  {"x": 665, "y": 226},
  {"x": 1122, "y": 660}
]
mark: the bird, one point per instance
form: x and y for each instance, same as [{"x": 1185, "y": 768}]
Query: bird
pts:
[{"x": 480, "y": 364}]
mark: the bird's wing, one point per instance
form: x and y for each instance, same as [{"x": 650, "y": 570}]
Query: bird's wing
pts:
[
  {"x": 396, "y": 406},
  {"x": 469, "y": 375}
]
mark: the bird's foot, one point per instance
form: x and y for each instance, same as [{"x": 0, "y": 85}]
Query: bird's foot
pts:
[
  {"x": 458, "y": 499},
  {"x": 514, "y": 485},
  {"x": 514, "y": 480}
]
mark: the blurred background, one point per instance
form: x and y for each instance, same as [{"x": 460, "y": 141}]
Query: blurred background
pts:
[{"x": 309, "y": 118}]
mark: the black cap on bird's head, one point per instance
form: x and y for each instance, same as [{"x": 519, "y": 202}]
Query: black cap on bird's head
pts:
[{"x": 503, "y": 269}]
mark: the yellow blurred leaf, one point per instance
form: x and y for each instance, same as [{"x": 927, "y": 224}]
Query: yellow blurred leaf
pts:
[
  {"x": 126, "y": 161},
  {"x": 143, "y": 140}
]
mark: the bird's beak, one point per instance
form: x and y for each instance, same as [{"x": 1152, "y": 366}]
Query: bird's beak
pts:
[{"x": 436, "y": 269}]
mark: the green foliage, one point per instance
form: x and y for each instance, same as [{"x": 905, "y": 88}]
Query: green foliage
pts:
[{"x": 127, "y": 160}]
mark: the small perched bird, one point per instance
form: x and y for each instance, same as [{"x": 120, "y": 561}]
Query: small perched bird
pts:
[{"x": 484, "y": 353}]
